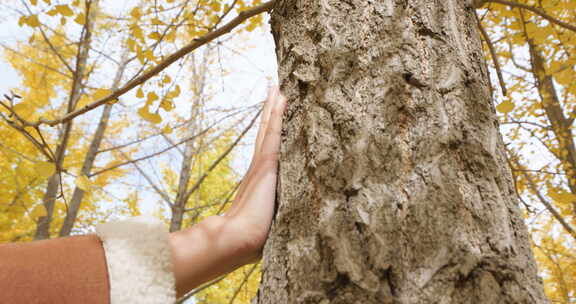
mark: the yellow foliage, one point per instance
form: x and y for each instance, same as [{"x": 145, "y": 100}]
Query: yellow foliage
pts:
[
  {"x": 45, "y": 169},
  {"x": 505, "y": 107},
  {"x": 101, "y": 93},
  {"x": 80, "y": 19},
  {"x": 151, "y": 97},
  {"x": 536, "y": 51},
  {"x": 64, "y": 10},
  {"x": 46, "y": 82},
  {"x": 83, "y": 183},
  {"x": 154, "y": 118}
]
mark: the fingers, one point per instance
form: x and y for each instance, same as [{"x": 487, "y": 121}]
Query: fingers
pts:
[
  {"x": 271, "y": 144},
  {"x": 272, "y": 94},
  {"x": 257, "y": 202},
  {"x": 269, "y": 106}
]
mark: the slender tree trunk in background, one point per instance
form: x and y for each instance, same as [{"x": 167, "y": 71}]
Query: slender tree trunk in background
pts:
[
  {"x": 90, "y": 158},
  {"x": 561, "y": 125},
  {"x": 179, "y": 206},
  {"x": 197, "y": 87},
  {"x": 394, "y": 186},
  {"x": 52, "y": 187}
]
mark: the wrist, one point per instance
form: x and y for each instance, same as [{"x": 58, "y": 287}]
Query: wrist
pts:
[{"x": 208, "y": 250}]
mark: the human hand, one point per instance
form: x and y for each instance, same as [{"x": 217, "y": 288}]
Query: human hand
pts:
[
  {"x": 249, "y": 218},
  {"x": 220, "y": 244}
]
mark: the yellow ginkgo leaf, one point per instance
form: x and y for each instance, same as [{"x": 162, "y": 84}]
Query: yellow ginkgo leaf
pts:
[
  {"x": 166, "y": 79},
  {"x": 167, "y": 129},
  {"x": 22, "y": 20},
  {"x": 149, "y": 54},
  {"x": 131, "y": 44},
  {"x": 157, "y": 21},
  {"x": 38, "y": 211},
  {"x": 34, "y": 2},
  {"x": 140, "y": 93},
  {"x": 83, "y": 182},
  {"x": 170, "y": 36},
  {"x": 155, "y": 36},
  {"x": 101, "y": 93},
  {"x": 150, "y": 117},
  {"x": 21, "y": 108},
  {"x": 52, "y": 12},
  {"x": 151, "y": 97},
  {"x": 140, "y": 55},
  {"x": 215, "y": 6},
  {"x": 562, "y": 197},
  {"x": 64, "y": 10},
  {"x": 505, "y": 107},
  {"x": 33, "y": 21},
  {"x": 135, "y": 13},
  {"x": 137, "y": 33},
  {"x": 113, "y": 101},
  {"x": 80, "y": 19},
  {"x": 154, "y": 118},
  {"x": 174, "y": 93},
  {"x": 167, "y": 105},
  {"x": 45, "y": 169}
]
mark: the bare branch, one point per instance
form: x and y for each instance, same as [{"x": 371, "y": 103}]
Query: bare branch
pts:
[
  {"x": 519, "y": 122},
  {"x": 219, "y": 159},
  {"x": 546, "y": 204},
  {"x": 35, "y": 62},
  {"x": 164, "y": 195},
  {"x": 153, "y": 154},
  {"x": 536, "y": 11},
  {"x": 196, "y": 43},
  {"x": 199, "y": 289},
  {"x": 539, "y": 171},
  {"x": 244, "y": 281},
  {"x": 47, "y": 40},
  {"x": 493, "y": 55}
]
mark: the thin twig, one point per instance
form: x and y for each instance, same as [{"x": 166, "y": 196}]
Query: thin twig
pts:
[
  {"x": 493, "y": 55},
  {"x": 199, "y": 289},
  {"x": 244, "y": 281},
  {"x": 548, "y": 205},
  {"x": 47, "y": 40},
  {"x": 222, "y": 156},
  {"x": 536, "y": 11}
]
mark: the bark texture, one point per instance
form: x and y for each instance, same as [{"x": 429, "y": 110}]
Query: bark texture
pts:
[{"x": 394, "y": 186}]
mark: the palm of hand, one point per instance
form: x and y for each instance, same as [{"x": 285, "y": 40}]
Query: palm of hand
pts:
[{"x": 248, "y": 220}]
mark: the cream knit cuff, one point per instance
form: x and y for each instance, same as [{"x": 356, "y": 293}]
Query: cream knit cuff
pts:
[{"x": 139, "y": 261}]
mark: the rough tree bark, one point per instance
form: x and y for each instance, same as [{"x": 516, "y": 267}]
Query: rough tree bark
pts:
[{"x": 394, "y": 186}]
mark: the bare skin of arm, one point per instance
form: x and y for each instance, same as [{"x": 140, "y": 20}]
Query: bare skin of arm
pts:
[{"x": 221, "y": 244}]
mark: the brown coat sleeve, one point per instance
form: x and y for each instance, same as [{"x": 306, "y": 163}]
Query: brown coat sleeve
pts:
[{"x": 62, "y": 270}]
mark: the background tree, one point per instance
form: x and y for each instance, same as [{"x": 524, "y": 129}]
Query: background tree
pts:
[{"x": 534, "y": 43}]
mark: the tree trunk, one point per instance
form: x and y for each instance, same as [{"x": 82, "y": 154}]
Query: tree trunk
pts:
[
  {"x": 90, "y": 158},
  {"x": 394, "y": 186},
  {"x": 50, "y": 195}
]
